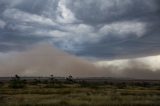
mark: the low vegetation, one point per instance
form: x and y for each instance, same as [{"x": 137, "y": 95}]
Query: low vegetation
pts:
[{"x": 72, "y": 92}]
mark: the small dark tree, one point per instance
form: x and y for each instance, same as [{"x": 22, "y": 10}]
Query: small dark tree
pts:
[
  {"x": 70, "y": 79},
  {"x": 52, "y": 79},
  {"x": 16, "y": 82},
  {"x": 53, "y": 82}
]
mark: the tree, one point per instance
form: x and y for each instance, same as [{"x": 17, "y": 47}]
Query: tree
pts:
[
  {"x": 52, "y": 82},
  {"x": 70, "y": 79},
  {"x": 52, "y": 79},
  {"x": 16, "y": 82}
]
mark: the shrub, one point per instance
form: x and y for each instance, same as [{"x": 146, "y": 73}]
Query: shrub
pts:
[
  {"x": 16, "y": 82},
  {"x": 70, "y": 80}
]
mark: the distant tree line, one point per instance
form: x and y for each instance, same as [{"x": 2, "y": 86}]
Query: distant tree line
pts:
[{"x": 17, "y": 82}]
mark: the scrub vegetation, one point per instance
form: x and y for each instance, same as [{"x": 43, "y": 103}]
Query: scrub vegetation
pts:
[{"x": 78, "y": 92}]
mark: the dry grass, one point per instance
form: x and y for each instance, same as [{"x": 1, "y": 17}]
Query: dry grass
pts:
[{"x": 74, "y": 95}]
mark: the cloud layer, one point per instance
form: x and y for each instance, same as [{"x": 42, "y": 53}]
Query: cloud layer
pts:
[{"x": 89, "y": 28}]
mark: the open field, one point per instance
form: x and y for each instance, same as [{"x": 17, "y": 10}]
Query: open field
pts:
[{"x": 81, "y": 94}]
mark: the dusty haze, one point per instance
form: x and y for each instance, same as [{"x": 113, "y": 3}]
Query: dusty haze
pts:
[{"x": 44, "y": 60}]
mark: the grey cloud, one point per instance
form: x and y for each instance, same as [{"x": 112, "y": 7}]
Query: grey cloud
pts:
[
  {"x": 45, "y": 7},
  {"x": 2, "y": 24},
  {"x": 13, "y": 41},
  {"x": 107, "y": 11},
  {"x": 116, "y": 48}
]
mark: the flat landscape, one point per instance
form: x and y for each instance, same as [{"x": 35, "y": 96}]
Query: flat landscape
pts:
[
  {"x": 79, "y": 52},
  {"x": 72, "y": 92}
]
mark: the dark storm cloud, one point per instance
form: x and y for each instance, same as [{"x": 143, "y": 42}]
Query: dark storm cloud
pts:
[
  {"x": 39, "y": 7},
  {"x": 123, "y": 49},
  {"x": 92, "y": 28},
  {"x": 17, "y": 41},
  {"x": 107, "y": 11},
  {"x": 104, "y": 12},
  {"x": 18, "y": 24}
]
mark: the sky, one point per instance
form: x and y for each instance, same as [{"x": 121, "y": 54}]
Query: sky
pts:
[{"x": 99, "y": 31}]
